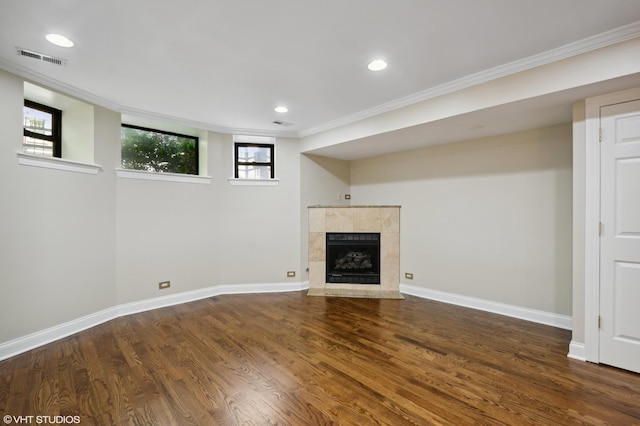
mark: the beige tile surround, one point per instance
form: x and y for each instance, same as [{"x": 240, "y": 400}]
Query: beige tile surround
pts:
[{"x": 382, "y": 219}]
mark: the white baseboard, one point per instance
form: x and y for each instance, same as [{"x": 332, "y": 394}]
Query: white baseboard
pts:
[
  {"x": 193, "y": 295},
  {"x": 541, "y": 317},
  {"x": 40, "y": 338},
  {"x": 32, "y": 341},
  {"x": 577, "y": 351}
]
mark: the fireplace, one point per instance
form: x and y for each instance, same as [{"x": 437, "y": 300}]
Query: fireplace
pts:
[
  {"x": 353, "y": 257},
  {"x": 354, "y": 251}
]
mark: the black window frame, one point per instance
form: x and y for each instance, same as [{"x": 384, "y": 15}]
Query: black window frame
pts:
[
  {"x": 238, "y": 163},
  {"x": 196, "y": 140},
  {"x": 56, "y": 126}
]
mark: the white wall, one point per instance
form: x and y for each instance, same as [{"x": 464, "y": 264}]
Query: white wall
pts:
[
  {"x": 488, "y": 218},
  {"x": 74, "y": 244},
  {"x": 579, "y": 213},
  {"x": 78, "y": 139},
  {"x": 57, "y": 230},
  {"x": 322, "y": 181},
  {"x": 199, "y": 236},
  {"x": 325, "y": 180}
]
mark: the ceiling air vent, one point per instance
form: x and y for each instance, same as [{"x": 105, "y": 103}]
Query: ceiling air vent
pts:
[
  {"x": 40, "y": 56},
  {"x": 282, "y": 123}
]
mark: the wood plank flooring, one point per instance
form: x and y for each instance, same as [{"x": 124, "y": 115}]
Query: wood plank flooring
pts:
[{"x": 290, "y": 359}]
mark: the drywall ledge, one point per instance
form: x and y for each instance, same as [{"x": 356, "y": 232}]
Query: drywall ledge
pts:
[
  {"x": 58, "y": 164},
  {"x": 497, "y": 88},
  {"x": 253, "y": 182},
  {"x": 167, "y": 177}
]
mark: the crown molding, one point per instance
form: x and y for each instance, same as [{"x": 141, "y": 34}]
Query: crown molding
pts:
[
  {"x": 205, "y": 126},
  {"x": 66, "y": 89},
  {"x": 586, "y": 45},
  {"x": 51, "y": 83}
]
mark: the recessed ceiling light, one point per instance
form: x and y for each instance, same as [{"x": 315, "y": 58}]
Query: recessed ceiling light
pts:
[
  {"x": 59, "y": 40},
  {"x": 281, "y": 109},
  {"x": 377, "y": 65}
]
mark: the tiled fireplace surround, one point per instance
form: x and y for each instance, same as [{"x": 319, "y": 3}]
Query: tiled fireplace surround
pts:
[{"x": 382, "y": 219}]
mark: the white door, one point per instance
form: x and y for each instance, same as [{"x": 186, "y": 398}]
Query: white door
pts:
[{"x": 620, "y": 236}]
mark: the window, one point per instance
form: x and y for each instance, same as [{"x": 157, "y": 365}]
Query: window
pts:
[
  {"x": 254, "y": 161},
  {"x": 42, "y": 130},
  {"x": 158, "y": 151}
]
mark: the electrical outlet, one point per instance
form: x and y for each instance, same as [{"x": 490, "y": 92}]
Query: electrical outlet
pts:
[
  {"x": 347, "y": 196},
  {"x": 164, "y": 284},
  {"x": 408, "y": 275},
  {"x": 291, "y": 274}
]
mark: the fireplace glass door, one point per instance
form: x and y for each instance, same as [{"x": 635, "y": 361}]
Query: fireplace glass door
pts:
[{"x": 353, "y": 257}]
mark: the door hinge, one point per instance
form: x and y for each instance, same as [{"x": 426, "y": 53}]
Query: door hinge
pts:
[
  {"x": 599, "y": 322},
  {"x": 600, "y": 228},
  {"x": 600, "y": 135}
]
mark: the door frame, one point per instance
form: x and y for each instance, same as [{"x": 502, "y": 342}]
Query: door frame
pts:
[{"x": 592, "y": 216}]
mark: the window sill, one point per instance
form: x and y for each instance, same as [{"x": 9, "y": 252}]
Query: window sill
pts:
[
  {"x": 253, "y": 182},
  {"x": 167, "y": 177},
  {"x": 58, "y": 164}
]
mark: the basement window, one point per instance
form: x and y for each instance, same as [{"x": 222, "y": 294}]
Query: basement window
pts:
[
  {"x": 42, "y": 130},
  {"x": 254, "y": 158},
  {"x": 159, "y": 151},
  {"x": 254, "y": 161},
  {"x": 44, "y": 144}
]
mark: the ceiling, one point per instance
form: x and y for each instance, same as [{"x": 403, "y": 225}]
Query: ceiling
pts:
[{"x": 225, "y": 64}]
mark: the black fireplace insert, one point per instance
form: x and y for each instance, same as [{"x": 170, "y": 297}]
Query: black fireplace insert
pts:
[{"x": 353, "y": 257}]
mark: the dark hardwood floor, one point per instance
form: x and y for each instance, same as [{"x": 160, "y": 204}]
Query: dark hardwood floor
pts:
[{"x": 291, "y": 359}]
